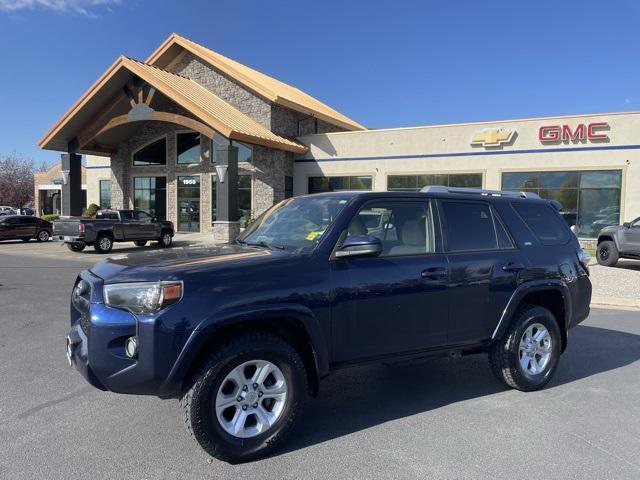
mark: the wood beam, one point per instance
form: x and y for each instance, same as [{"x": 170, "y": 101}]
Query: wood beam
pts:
[{"x": 99, "y": 120}]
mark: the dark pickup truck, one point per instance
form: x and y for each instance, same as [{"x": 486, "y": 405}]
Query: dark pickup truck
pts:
[{"x": 111, "y": 226}]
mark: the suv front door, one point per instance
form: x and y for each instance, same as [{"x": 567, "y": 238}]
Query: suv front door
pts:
[
  {"x": 630, "y": 238},
  {"x": 484, "y": 264},
  {"x": 147, "y": 225},
  {"x": 395, "y": 302}
]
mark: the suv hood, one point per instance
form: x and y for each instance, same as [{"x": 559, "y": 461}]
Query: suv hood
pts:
[
  {"x": 174, "y": 263},
  {"x": 612, "y": 228}
]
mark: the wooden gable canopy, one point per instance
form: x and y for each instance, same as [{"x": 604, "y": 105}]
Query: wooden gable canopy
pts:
[{"x": 124, "y": 95}]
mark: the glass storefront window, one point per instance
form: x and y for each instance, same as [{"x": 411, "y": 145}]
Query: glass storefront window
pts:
[
  {"x": 245, "y": 152},
  {"x": 590, "y": 199},
  {"x": 244, "y": 198},
  {"x": 413, "y": 183},
  {"x": 337, "y": 184},
  {"x": 188, "y": 147},
  {"x": 150, "y": 195},
  {"x": 153, "y": 154},
  {"x": 105, "y": 193}
]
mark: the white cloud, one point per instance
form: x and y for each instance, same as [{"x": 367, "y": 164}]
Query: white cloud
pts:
[
  {"x": 79, "y": 7},
  {"x": 627, "y": 101}
]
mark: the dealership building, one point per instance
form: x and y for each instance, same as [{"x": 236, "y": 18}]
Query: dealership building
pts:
[{"x": 208, "y": 143}]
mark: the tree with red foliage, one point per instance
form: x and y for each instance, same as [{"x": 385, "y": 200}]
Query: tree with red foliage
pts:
[{"x": 16, "y": 180}]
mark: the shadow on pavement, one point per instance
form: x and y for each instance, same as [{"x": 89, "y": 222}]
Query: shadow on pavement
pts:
[
  {"x": 628, "y": 265},
  {"x": 359, "y": 398}
]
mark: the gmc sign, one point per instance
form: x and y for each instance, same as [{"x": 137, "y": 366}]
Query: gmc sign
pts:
[{"x": 581, "y": 133}]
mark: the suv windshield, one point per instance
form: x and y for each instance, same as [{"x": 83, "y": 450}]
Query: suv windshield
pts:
[{"x": 295, "y": 223}]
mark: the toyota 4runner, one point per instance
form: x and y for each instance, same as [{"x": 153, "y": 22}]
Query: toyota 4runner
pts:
[{"x": 242, "y": 333}]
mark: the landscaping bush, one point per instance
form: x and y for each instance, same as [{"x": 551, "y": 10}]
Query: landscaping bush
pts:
[
  {"x": 91, "y": 211},
  {"x": 50, "y": 217}
]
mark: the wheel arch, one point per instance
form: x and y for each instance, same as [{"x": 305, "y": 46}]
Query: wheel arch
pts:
[
  {"x": 552, "y": 295},
  {"x": 300, "y": 329}
]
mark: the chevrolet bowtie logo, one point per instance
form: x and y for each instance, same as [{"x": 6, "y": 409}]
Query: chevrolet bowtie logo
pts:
[{"x": 492, "y": 137}]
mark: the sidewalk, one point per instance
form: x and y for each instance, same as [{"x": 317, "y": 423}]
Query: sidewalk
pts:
[{"x": 616, "y": 286}]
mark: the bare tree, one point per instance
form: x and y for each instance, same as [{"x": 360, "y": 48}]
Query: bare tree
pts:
[{"x": 16, "y": 180}]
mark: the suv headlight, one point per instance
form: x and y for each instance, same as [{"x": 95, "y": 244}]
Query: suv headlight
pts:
[{"x": 143, "y": 297}]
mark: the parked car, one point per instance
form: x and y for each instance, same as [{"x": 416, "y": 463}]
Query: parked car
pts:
[
  {"x": 111, "y": 226},
  {"x": 243, "y": 332},
  {"x": 14, "y": 227},
  {"x": 5, "y": 210},
  {"x": 619, "y": 241},
  {"x": 24, "y": 211}
]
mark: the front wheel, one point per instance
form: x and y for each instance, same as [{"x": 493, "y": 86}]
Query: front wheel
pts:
[
  {"x": 244, "y": 400},
  {"x": 165, "y": 239},
  {"x": 43, "y": 236},
  {"x": 607, "y": 253},
  {"x": 526, "y": 357}
]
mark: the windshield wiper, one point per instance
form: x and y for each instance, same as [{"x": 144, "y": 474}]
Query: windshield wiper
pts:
[{"x": 264, "y": 244}]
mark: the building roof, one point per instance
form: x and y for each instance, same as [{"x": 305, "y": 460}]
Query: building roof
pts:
[
  {"x": 203, "y": 104},
  {"x": 268, "y": 87}
]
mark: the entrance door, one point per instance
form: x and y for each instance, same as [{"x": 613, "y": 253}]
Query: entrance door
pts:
[
  {"x": 189, "y": 215},
  {"x": 189, "y": 204}
]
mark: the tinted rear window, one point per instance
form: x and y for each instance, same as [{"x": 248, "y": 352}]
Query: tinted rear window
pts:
[
  {"x": 469, "y": 226},
  {"x": 544, "y": 222},
  {"x": 107, "y": 216}
]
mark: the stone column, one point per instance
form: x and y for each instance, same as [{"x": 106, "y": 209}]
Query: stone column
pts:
[
  {"x": 72, "y": 185},
  {"x": 226, "y": 227}
]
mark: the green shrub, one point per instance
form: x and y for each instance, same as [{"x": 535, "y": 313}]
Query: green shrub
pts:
[
  {"x": 91, "y": 210},
  {"x": 50, "y": 217}
]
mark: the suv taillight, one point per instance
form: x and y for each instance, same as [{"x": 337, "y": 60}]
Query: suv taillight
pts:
[
  {"x": 584, "y": 258},
  {"x": 81, "y": 227}
]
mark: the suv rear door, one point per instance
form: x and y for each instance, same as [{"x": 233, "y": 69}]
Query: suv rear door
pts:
[
  {"x": 395, "y": 302},
  {"x": 484, "y": 264},
  {"x": 29, "y": 225}
]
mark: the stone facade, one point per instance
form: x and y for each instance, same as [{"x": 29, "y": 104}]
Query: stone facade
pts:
[{"x": 268, "y": 167}]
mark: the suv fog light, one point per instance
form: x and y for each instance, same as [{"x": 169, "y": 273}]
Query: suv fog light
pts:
[{"x": 131, "y": 347}]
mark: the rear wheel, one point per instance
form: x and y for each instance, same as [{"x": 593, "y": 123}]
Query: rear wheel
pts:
[
  {"x": 246, "y": 397},
  {"x": 165, "y": 239},
  {"x": 43, "y": 236},
  {"x": 140, "y": 243},
  {"x": 526, "y": 357},
  {"x": 607, "y": 253},
  {"x": 103, "y": 244},
  {"x": 76, "y": 247}
]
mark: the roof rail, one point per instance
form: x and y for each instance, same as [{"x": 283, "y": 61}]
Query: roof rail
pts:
[{"x": 478, "y": 191}]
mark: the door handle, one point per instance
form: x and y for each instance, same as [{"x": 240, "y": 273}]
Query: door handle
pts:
[
  {"x": 513, "y": 267},
  {"x": 434, "y": 273}
]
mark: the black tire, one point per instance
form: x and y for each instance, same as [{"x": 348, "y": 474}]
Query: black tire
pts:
[
  {"x": 504, "y": 355},
  {"x": 607, "y": 253},
  {"x": 166, "y": 239},
  {"x": 43, "y": 236},
  {"x": 25, "y": 239},
  {"x": 198, "y": 399},
  {"x": 103, "y": 244},
  {"x": 76, "y": 247},
  {"x": 140, "y": 243}
]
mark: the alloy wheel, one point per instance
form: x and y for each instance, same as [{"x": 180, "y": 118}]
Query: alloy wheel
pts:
[
  {"x": 536, "y": 347},
  {"x": 604, "y": 253},
  {"x": 251, "y": 399},
  {"x": 43, "y": 236}
]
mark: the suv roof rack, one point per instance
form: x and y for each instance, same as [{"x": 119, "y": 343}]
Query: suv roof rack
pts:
[{"x": 478, "y": 191}]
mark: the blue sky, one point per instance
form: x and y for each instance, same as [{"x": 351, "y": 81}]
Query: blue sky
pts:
[{"x": 384, "y": 63}]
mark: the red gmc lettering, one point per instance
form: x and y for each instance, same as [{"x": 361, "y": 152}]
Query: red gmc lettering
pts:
[
  {"x": 582, "y": 132},
  {"x": 549, "y": 134},
  {"x": 597, "y": 126}
]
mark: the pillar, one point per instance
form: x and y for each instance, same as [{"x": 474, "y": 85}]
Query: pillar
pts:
[
  {"x": 71, "y": 204},
  {"x": 226, "y": 227}
]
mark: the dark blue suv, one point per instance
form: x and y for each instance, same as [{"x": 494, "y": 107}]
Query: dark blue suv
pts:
[{"x": 241, "y": 334}]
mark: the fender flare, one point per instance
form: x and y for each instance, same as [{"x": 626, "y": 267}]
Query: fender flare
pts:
[
  {"x": 528, "y": 287},
  {"x": 614, "y": 236},
  {"x": 203, "y": 332}
]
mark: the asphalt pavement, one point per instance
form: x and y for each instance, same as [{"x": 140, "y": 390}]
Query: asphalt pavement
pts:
[{"x": 443, "y": 418}]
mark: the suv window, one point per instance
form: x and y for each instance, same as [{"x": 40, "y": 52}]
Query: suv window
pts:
[
  {"x": 27, "y": 221},
  {"x": 12, "y": 221},
  {"x": 404, "y": 228},
  {"x": 128, "y": 215},
  {"x": 472, "y": 226},
  {"x": 544, "y": 222}
]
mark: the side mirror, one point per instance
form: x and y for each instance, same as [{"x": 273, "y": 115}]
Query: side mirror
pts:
[
  {"x": 626, "y": 224},
  {"x": 360, "y": 246}
]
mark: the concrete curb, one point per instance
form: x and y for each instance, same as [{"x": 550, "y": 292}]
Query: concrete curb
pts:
[{"x": 616, "y": 302}]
